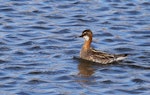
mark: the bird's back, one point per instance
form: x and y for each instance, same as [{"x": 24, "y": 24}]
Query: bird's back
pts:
[{"x": 102, "y": 57}]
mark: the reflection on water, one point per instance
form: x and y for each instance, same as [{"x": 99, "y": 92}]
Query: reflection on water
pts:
[{"x": 85, "y": 68}]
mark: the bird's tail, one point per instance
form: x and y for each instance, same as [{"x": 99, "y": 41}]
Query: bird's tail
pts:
[{"x": 120, "y": 57}]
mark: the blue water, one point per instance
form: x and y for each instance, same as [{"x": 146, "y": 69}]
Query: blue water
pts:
[{"x": 38, "y": 44}]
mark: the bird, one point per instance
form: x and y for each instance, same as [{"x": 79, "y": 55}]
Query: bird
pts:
[{"x": 91, "y": 54}]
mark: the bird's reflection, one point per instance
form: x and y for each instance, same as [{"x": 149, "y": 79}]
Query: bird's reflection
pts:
[{"x": 86, "y": 68}]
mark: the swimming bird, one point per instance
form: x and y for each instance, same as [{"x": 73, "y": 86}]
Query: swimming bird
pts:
[{"x": 89, "y": 53}]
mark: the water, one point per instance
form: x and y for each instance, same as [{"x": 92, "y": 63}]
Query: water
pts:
[{"x": 38, "y": 42}]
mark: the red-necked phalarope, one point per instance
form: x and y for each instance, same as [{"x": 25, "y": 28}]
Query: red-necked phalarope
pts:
[{"x": 91, "y": 54}]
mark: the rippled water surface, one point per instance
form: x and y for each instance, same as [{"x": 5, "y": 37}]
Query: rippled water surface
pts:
[{"x": 38, "y": 42}]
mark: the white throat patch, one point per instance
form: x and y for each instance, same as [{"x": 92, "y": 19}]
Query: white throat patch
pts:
[{"x": 86, "y": 38}]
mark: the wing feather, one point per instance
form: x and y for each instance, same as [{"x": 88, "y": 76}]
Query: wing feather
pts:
[{"x": 101, "y": 57}]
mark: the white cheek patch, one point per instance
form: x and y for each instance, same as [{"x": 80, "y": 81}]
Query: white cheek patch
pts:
[{"x": 86, "y": 38}]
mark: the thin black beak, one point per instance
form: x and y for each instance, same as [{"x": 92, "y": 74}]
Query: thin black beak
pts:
[
  {"x": 78, "y": 36},
  {"x": 81, "y": 36}
]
